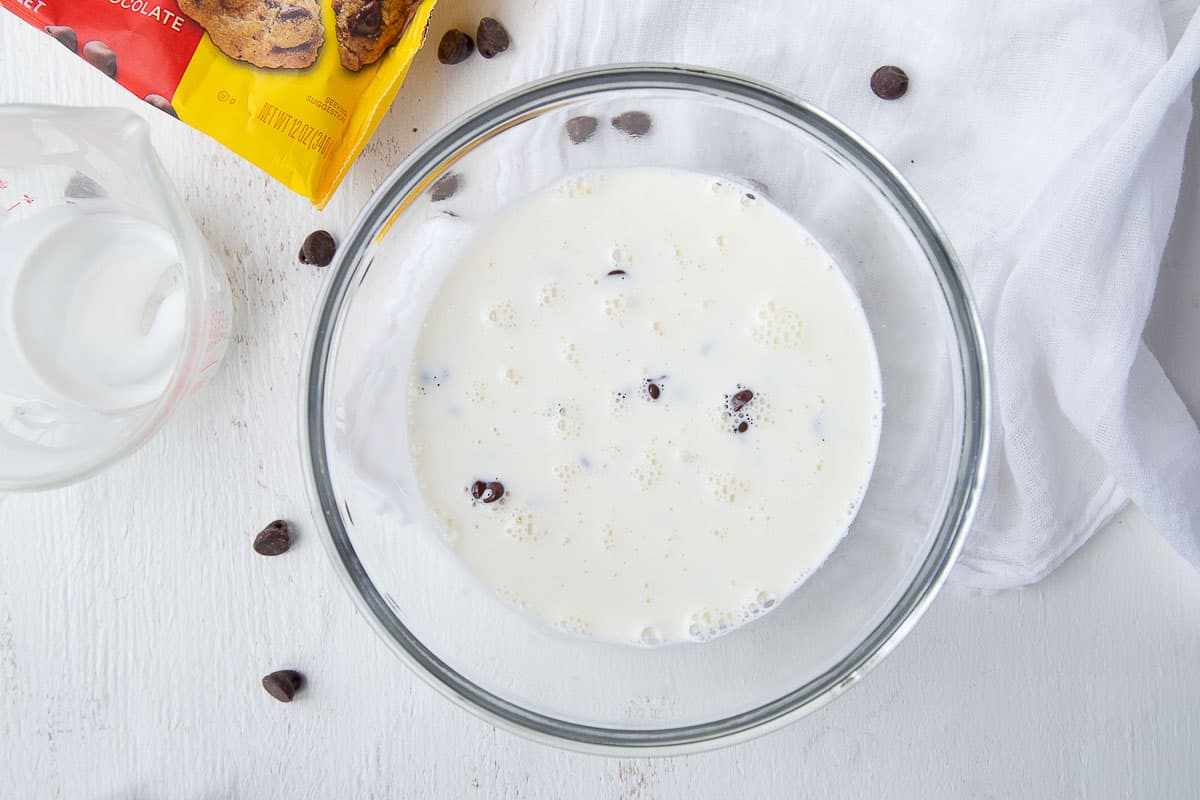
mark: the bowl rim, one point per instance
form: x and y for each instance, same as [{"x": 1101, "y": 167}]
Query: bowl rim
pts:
[{"x": 423, "y": 167}]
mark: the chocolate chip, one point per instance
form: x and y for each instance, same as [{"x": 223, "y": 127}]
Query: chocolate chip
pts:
[
  {"x": 81, "y": 187},
  {"x": 493, "y": 492},
  {"x": 161, "y": 103},
  {"x": 455, "y": 48},
  {"x": 889, "y": 82},
  {"x": 653, "y": 390},
  {"x": 632, "y": 123},
  {"x": 283, "y": 684},
  {"x": 580, "y": 129},
  {"x": 102, "y": 57},
  {"x": 616, "y": 272},
  {"x": 742, "y": 427},
  {"x": 367, "y": 21},
  {"x": 477, "y": 489},
  {"x": 65, "y": 36},
  {"x": 274, "y": 539},
  {"x": 318, "y": 249},
  {"x": 292, "y": 13},
  {"x": 444, "y": 188},
  {"x": 757, "y": 185},
  {"x": 491, "y": 38},
  {"x": 739, "y": 400}
]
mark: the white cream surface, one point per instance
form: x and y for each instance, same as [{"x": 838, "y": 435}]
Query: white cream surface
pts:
[
  {"x": 627, "y": 517},
  {"x": 96, "y": 307}
]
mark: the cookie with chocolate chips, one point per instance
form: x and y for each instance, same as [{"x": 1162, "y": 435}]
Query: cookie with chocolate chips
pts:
[
  {"x": 273, "y": 34},
  {"x": 367, "y": 28}
]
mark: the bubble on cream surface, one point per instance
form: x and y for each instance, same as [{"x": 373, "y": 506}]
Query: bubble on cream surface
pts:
[
  {"x": 548, "y": 294},
  {"x": 569, "y": 351},
  {"x": 639, "y": 516},
  {"x": 500, "y": 315},
  {"x": 775, "y": 325},
  {"x": 648, "y": 471}
]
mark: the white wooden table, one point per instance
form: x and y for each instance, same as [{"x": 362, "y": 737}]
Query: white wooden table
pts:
[{"x": 135, "y": 621}]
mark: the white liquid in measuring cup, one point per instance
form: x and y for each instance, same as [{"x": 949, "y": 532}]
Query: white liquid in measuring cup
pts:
[
  {"x": 96, "y": 307},
  {"x": 676, "y": 389}
]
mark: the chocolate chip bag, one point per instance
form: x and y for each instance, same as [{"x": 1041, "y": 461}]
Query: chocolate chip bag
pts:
[{"x": 294, "y": 86}]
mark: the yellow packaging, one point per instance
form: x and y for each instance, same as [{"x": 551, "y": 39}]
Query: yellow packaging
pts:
[{"x": 294, "y": 86}]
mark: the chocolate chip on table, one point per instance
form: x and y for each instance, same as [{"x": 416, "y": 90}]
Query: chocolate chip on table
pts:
[
  {"x": 742, "y": 427},
  {"x": 318, "y": 249},
  {"x": 632, "y": 123},
  {"x": 889, "y": 82},
  {"x": 455, "y": 47},
  {"x": 493, "y": 492},
  {"x": 653, "y": 390},
  {"x": 491, "y": 38},
  {"x": 444, "y": 188},
  {"x": 283, "y": 684},
  {"x": 367, "y": 21},
  {"x": 162, "y": 104},
  {"x": 102, "y": 57},
  {"x": 580, "y": 129},
  {"x": 65, "y": 36},
  {"x": 738, "y": 401},
  {"x": 273, "y": 540},
  {"x": 477, "y": 489}
]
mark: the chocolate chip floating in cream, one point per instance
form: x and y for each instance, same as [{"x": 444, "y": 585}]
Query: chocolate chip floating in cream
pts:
[{"x": 739, "y": 400}]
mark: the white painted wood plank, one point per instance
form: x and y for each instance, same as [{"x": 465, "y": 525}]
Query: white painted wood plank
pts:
[{"x": 135, "y": 621}]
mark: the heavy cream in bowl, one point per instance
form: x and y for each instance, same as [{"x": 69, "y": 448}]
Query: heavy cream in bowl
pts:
[{"x": 644, "y": 405}]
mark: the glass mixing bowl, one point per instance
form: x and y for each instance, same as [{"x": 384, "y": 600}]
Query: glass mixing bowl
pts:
[{"x": 517, "y": 672}]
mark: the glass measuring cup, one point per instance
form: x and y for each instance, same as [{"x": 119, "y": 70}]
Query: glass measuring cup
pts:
[{"x": 113, "y": 309}]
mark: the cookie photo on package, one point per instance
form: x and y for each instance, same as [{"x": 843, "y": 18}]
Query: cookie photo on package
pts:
[{"x": 297, "y": 87}]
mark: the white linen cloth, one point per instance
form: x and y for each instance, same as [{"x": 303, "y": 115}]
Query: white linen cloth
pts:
[{"x": 1048, "y": 138}]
